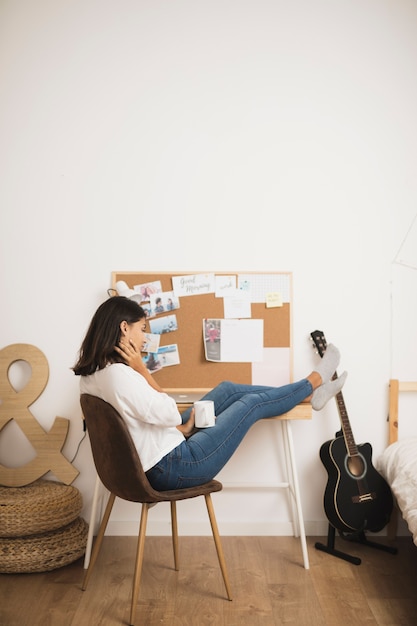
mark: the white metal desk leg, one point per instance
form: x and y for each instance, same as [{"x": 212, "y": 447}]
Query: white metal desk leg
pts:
[
  {"x": 288, "y": 432},
  {"x": 290, "y": 478},
  {"x": 93, "y": 518}
]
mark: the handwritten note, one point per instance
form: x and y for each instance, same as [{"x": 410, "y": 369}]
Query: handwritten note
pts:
[
  {"x": 193, "y": 284},
  {"x": 273, "y": 299},
  {"x": 237, "y": 305},
  {"x": 225, "y": 286}
]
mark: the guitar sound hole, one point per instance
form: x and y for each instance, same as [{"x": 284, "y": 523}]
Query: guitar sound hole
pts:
[{"x": 355, "y": 466}]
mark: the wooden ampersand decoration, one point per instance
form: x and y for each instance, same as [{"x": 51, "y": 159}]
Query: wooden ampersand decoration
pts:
[{"x": 14, "y": 405}]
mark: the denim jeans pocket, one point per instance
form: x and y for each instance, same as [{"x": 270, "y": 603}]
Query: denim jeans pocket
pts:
[{"x": 191, "y": 481}]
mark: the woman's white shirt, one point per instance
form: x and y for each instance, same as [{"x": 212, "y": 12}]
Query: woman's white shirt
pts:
[{"x": 151, "y": 416}]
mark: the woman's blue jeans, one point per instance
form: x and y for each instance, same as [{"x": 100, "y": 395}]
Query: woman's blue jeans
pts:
[{"x": 200, "y": 458}]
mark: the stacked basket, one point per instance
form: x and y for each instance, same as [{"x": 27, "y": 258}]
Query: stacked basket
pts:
[{"x": 40, "y": 527}]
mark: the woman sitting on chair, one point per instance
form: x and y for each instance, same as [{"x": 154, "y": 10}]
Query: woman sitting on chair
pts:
[{"x": 174, "y": 454}]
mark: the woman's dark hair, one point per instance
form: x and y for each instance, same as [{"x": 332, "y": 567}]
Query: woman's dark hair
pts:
[{"x": 97, "y": 349}]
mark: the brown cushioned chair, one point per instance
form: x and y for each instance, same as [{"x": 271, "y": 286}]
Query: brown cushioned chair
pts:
[{"x": 119, "y": 468}]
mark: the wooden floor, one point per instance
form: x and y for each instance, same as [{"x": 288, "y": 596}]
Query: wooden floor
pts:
[{"x": 269, "y": 583}]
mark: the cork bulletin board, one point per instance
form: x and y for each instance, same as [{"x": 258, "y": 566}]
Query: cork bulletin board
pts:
[{"x": 194, "y": 370}]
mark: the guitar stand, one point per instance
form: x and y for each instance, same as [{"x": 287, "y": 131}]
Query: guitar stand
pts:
[{"x": 359, "y": 537}]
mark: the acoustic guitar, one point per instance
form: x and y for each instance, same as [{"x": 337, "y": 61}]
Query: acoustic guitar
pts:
[{"x": 357, "y": 497}]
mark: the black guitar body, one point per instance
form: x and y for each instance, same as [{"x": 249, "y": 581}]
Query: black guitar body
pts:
[{"x": 357, "y": 497}]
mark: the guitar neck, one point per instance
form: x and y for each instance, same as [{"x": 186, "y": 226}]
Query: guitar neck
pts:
[
  {"x": 346, "y": 428},
  {"x": 320, "y": 343}
]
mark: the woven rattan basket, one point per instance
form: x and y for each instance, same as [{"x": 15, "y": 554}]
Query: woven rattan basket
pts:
[
  {"x": 37, "y": 508},
  {"x": 44, "y": 552}
]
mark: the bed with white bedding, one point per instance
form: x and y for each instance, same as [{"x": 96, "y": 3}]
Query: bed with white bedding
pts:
[{"x": 398, "y": 463}]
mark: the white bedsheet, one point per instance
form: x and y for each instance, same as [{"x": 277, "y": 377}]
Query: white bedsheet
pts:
[{"x": 398, "y": 465}]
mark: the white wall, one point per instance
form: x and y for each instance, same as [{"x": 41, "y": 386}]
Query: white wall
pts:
[{"x": 283, "y": 133}]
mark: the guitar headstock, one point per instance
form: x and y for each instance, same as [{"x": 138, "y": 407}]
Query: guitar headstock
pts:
[{"x": 319, "y": 341}]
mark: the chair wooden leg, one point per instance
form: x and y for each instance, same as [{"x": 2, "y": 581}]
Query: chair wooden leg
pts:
[
  {"x": 93, "y": 518},
  {"x": 174, "y": 530},
  {"x": 139, "y": 561},
  {"x": 217, "y": 541},
  {"x": 99, "y": 540}
]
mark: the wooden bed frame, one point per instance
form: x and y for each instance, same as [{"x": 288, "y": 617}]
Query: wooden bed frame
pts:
[{"x": 395, "y": 387}]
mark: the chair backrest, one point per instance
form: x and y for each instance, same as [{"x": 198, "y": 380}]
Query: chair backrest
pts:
[{"x": 115, "y": 456}]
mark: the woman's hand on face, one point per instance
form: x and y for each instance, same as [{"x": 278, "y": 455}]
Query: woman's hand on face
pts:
[{"x": 131, "y": 355}]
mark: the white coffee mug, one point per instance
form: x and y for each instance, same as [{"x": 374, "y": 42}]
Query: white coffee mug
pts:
[{"x": 204, "y": 413}]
